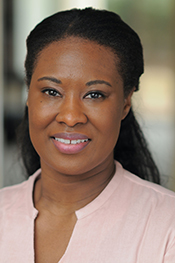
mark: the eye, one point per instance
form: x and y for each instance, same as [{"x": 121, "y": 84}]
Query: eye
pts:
[
  {"x": 94, "y": 95},
  {"x": 51, "y": 92}
]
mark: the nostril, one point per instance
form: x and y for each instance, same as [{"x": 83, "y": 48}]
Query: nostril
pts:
[{"x": 71, "y": 117}]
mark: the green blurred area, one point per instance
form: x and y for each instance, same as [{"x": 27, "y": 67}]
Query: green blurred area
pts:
[{"x": 154, "y": 21}]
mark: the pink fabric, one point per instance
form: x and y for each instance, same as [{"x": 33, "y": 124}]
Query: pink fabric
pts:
[{"x": 131, "y": 221}]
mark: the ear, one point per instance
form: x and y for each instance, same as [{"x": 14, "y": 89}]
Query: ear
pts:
[{"x": 127, "y": 104}]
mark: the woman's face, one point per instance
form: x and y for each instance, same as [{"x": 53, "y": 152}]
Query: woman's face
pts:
[{"x": 76, "y": 104}]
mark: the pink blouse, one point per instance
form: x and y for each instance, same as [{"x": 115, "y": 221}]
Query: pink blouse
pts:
[{"x": 131, "y": 221}]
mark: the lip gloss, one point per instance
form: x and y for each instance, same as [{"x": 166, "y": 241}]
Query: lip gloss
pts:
[{"x": 70, "y": 143}]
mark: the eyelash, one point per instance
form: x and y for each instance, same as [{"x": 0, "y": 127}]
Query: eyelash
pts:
[
  {"x": 91, "y": 95},
  {"x": 52, "y": 92},
  {"x": 95, "y": 95}
]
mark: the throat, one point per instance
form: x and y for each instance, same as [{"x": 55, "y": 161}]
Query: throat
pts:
[{"x": 66, "y": 197}]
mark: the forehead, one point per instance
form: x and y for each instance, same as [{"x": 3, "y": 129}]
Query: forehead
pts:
[{"x": 74, "y": 54}]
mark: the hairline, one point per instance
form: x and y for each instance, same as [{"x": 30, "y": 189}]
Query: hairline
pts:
[{"x": 66, "y": 36}]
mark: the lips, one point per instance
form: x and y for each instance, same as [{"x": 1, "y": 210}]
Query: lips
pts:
[
  {"x": 67, "y": 141},
  {"x": 70, "y": 143}
]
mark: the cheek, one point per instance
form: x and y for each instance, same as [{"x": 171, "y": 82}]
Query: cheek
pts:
[
  {"x": 112, "y": 126},
  {"x": 40, "y": 115},
  {"x": 38, "y": 122},
  {"x": 39, "y": 119},
  {"x": 108, "y": 124}
]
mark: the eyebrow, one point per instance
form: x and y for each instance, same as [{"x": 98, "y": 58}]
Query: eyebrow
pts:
[
  {"x": 89, "y": 83},
  {"x": 57, "y": 81},
  {"x": 95, "y": 82}
]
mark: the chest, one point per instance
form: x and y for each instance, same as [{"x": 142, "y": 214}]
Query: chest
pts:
[
  {"x": 100, "y": 237},
  {"x": 51, "y": 238}
]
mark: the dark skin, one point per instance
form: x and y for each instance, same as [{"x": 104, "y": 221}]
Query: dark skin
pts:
[{"x": 75, "y": 89}]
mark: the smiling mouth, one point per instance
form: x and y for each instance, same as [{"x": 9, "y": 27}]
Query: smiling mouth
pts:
[
  {"x": 73, "y": 142},
  {"x": 70, "y": 145}
]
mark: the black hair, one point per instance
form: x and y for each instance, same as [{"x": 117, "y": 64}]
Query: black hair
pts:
[{"x": 107, "y": 29}]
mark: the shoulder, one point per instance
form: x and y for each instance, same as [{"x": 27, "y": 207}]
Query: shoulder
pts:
[
  {"x": 143, "y": 197},
  {"x": 12, "y": 197},
  {"x": 147, "y": 187},
  {"x": 147, "y": 197}
]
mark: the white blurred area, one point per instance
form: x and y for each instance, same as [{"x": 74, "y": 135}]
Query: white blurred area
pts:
[
  {"x": 155, "y": 109},
  {"x": 153, "y": 104}
]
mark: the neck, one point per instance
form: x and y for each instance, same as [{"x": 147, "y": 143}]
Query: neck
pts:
[{"x": 59, "y": 193}]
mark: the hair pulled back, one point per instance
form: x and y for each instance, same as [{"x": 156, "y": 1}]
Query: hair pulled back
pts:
[
  {"x": 107, "y": 29},
  {"x": 104, "y": 27}
]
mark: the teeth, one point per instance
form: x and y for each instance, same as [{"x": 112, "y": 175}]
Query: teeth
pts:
[
  {"x": 70, "y": 141},
  {"x": 66, "y": 141},
  {"x": 73, "y": 142}
]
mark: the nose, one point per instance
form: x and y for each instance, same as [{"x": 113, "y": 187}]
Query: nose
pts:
[{"x": 71, "y": 112}]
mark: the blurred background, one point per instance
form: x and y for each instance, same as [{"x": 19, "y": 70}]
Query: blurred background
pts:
[{"x": 154, "y": 104}]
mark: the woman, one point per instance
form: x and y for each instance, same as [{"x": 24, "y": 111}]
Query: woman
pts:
[{"x": 81, "y": 205}]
